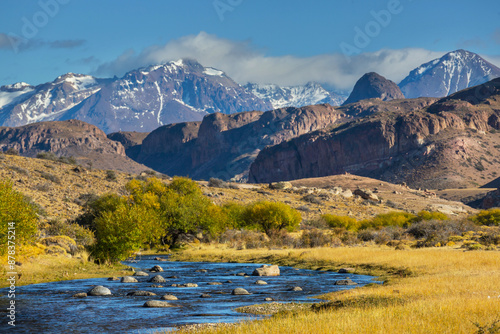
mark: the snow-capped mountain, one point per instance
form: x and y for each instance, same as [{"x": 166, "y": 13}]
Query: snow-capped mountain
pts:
[
  {"x": 295, "y": 96},
  {"x": 141, "y": 100},
  {"x": 22, "y": 103},
  {"x": 452, "y": 72}
]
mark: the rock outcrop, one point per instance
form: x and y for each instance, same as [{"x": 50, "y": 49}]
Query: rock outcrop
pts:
[
  {"x": 372, "y": 85},
  {"x": 83, "y": 141},
  {"x": 224, "y": 146}
]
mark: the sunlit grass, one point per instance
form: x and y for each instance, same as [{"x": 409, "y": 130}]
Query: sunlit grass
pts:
[
  {"x": 37, "y": 267},
  {"x": 445, "y": 290}
]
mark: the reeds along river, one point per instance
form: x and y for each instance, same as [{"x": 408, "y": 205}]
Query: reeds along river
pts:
[{"x": 50, "y": 307}]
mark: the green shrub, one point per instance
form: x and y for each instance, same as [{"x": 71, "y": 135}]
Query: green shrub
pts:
[
  {"x": 217, "y": 183},
  {"x": 434, "y": 232},
  {"x": 269, "y": 216},
  {"x": 427, "y": 215},
  {"x": 18, "y": 218},
  {"x": 346, "y": 222},
  {"x": 315, "y": 238},
  {"x": 489, "y": 217},
  {"x": 82, "y": 236},
  {"x": 401, "y": 219},
  {"x": 11, "y": 151}
]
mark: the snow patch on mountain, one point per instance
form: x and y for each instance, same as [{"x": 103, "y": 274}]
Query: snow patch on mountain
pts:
[{"x": 295, "y": 96}]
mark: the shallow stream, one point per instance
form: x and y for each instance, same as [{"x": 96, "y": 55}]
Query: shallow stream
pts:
[{"x": 50, "y": 308}]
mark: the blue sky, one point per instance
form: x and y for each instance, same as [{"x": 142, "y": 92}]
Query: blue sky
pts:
[{"x": 284, "y": 42}]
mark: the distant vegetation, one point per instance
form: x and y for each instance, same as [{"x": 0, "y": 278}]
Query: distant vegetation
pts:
[{"x": 163, "y": 215}]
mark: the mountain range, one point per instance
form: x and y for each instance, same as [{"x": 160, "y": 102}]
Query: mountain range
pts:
[{"x": 184, "y": 90}]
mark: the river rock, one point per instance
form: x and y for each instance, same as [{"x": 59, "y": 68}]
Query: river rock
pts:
[
  {"x": 169, "y": 297},
  {"x": 295, "y": 288},
  {"x": 229, "y": 281},
  {"x": 240, "y": 291},
  {"x": 156, "y": 269},
  {"x": 157, "y": 279},
  {"x": 187, "y": 285},
  {"x": 214, "y": 283},
  {"x": 240, "y": 274},
  {"x": 269, "y": 299},
  {"x": 260, "y": 282},
  {"x": 99, "y": 291},
  {"x": 205, "y": 295},
  {"x": 157, "y": 303},
  {"x": 345, "y": 282},
  {"x": 273, "y": 270},
  {"x": 80, "y": 295},
  {"x": 141, "y": 293},
  {"x": 346, "y": 270},
  {"x": 128, "y": 279},
  {"x": 160, "y": 259},
  {"x": 113, "y": 278},
  {"x": 141, "y": 273},
  {"x": 201, "y": 271}
]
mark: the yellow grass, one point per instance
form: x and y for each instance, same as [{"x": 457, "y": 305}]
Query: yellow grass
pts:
[
  {"x": 448, "y": 290},
  {"x": 50, "y": 268}
]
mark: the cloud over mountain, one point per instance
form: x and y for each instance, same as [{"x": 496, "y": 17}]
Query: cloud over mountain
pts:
[{"x": 244, "y": 62}]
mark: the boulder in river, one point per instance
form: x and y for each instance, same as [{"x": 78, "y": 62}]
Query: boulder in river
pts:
[
  {"x": 214, "y": 283},
  {"x": 156, "y": 269},
  {"x": 169, "y": 297},
  {"x": 187, "y": 285},
  {"x": 205, "y": 295},
  {"x": 114, "y": 278},
  {"x": 295, "y": 288},
  {"x": 128, "y": 279},
  {"x": 265, "y": 270},
  {"x": 157, "y": 303},
  {"x": 80, "y": 295},
  {"x": 141, "y": 293},
  {"x": 260, "y": 282},
  {"x": 141, "y": 273},
  {"x": 157, "y": 279},
  {"x": 346, "y": 270},
  {"x": 345, "y": 282},
  {"x": 99, "y": 291},
  {"x": 240, "y": 291}
]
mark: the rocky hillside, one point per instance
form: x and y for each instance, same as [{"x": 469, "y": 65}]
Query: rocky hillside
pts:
[
  {"x": 451, "y": 73},
  {"x": 131, "y": 141},
  {"x": 224, "y": 146},
  {"x": 85, "y": 142},
  {"x": 450, "y": 144},
  {"x": 372, "y": 85}
]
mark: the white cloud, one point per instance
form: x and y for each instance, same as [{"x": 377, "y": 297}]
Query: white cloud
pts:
[{"x": 245, "y": 63}]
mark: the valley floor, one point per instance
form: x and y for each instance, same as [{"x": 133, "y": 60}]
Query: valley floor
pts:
[{"x": 431, "y": 290}]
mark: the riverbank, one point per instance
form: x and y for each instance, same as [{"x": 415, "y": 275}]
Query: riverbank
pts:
[
  {"x": 430, "y": 290},
  {"x": 59, "y": 267}
]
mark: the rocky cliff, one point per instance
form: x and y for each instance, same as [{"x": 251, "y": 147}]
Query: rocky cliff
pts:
[
  {"x": 83, "y": 141},
  {"x": 451, "y": 143},
  {"x": 224, "y": 146}
]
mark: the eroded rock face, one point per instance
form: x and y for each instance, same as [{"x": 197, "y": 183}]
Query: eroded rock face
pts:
[
  {"x": 430, "y": 148},
  {"x": 223, "y": 146},
  {"x": 491, "y": 200}
]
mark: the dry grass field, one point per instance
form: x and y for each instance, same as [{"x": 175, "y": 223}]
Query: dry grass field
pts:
[{"x": 432, "y": 290}]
